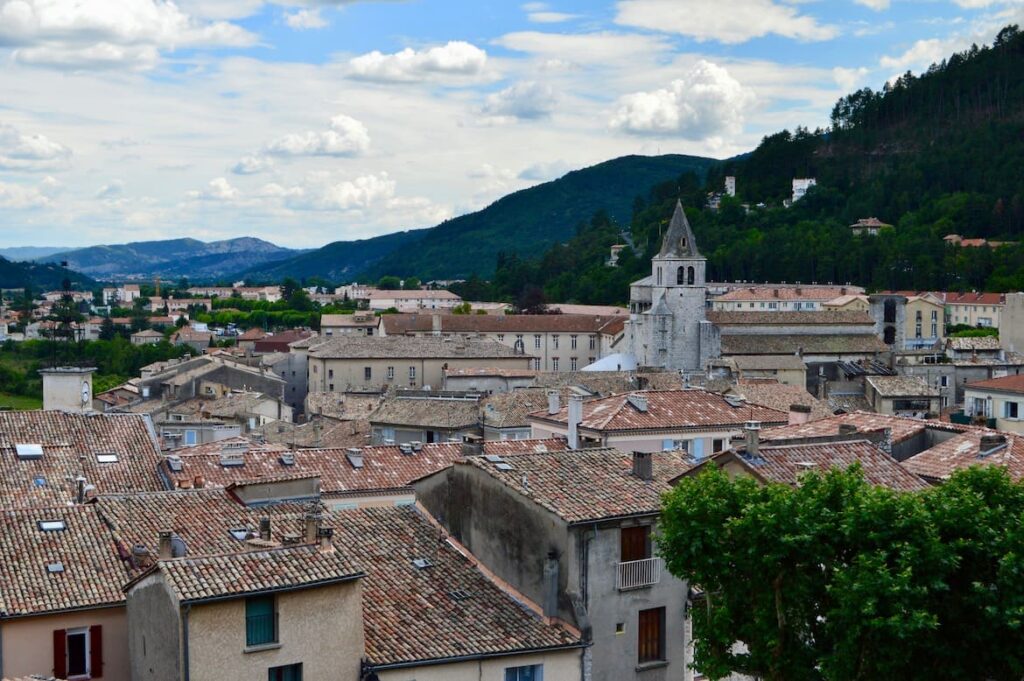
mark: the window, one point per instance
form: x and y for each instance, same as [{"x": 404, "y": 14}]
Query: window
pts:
[
  {"x": 1010, "y": 410},
  {"x": 330, "y": 387},
  {"x": 412, "y": 373},
  {"x": 944, "y": 381},
  {"x": 675, "y": 445},
  {"x": 330, "y": 373},
  {"x": 917, "y": 330},
  {"x": 536, "y": 340},
  {"x": 572, "y": 364},
  {"x": 773, "y": 306},
  {"x": 634, "y": 543},
  {"x": 190, "y": 437},
  {"x": 593, "y": 342},
  {"x": 717, "y": 445},
  {"x": 51, "y": 525},
  {"x": 501, "y": 338},
  {"x": 554, "y": 364},
  {"x": 651, "y": 636},
  {"x": 689, "y": 276},
  {"x": 367, "y": 373},
  {"x": 554, "y": 340},
  {"x": 78, "y": 653},
  {"x": 260, "y": 621},
  {"x": 680, "y": 276},
  {"x": 533, "y": 672},
  {"x": 290, "y": 672},
  {"x": 591, "y": 360},
  {"x": 659, "y": 276},
  {"x": 391, "y": 373},
  {"x": 572, "y": 342},
  {"x": 106, "y": 457}
]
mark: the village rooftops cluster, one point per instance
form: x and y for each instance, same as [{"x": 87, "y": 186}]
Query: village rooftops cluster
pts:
[
  {"x": 808, "y": 344},
  {"x": 811, "y": 317},
  {"x": 394, "y": 325}
]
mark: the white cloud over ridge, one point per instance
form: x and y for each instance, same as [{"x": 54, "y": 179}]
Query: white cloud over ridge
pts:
[
  {"x": 345, "y": 137},
  {"x": 90, "y": 34},
  {"x": 30, "y": 152},
  {"x": 455, "y": 58},
  {"x": 704, "y": 103},
  {"x": 527, "y": 99},
  {"x": 735, "y": 22},
  {"x": 22, "y": 197}
]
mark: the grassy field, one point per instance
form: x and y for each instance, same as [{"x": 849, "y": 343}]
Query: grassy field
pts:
[{"x": 19, "y": 402}]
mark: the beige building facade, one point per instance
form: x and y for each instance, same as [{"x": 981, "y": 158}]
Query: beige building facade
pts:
[
  {"x": 556, "y": 665},
  {"x": 30, "y": 644}
]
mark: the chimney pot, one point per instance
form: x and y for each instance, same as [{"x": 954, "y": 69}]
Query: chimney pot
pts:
[
  {"x": 799, "y": 414},
  {"x": 325, "y": 538},
  {"x": 165, "y": 552},
  {"x": 752, "y": 429},
  {"x": 554, "y": 402},
  {"x": 643, "y": 465},
  {"x": 575, "y": 417},
  {"x": 312, "y": 525},
  {"x": 265, "y": 528},
  {"x": 199, "y": 482}
]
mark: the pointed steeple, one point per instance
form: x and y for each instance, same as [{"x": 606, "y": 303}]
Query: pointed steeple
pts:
[{"x": 679, "y": 241}]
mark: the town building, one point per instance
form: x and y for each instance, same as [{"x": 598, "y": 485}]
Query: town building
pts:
[
  {"x": 422, "y": 418},
  {"x": 488, "y": 380},
  {"x": 697, "y": 422},
  {"x": 412, "y": 301},
  {"x": 667, "y": 327},
  {"x": 901, "y": 396},
  {"x": 777, "y": 298},
  {"x": 556, "y": 342},
  {"x": 342, "y": 363},
  {"x": 801, "y": 186},
  {"x": 360, "y": 323},
  {"x": 1001, "y": 399},
  {"x": 146, "y": 337},
  {"x": 587, "y": 556},
  {"x": 870, "y": 226}
]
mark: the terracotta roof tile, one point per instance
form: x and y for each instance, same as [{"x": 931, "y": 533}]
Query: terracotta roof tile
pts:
[
  {"x": 535, "y": 323},
  {"x": 666, "y": 409},
  {"x": 356, "y": 346},
  {"x": 902, "y": 427},
  {"x": 964, "y": 450},
  {"x": 1012, "y": 384},
  {"x": 902, "y": 386},
  {"x": 580, "y": 485},
  {"x": 786, "y": 318},
  {"x": 989, "y": 343},
  {"x": 74, "y": 445},
  {"x": 767, "y": 293},
  {"x": 442, "y": 414},
  {"x": 810, "y": 344},
  {"x": 781, "y": 396}
]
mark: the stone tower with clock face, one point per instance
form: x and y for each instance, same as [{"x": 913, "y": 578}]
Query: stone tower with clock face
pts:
[{"x": 68, "y": 389}]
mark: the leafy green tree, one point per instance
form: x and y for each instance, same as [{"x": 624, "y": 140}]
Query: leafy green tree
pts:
[
  {"x": 389, "y": 283},
  {"x": 836, "y": 579},
  {"x": 107, "y": 330},
  {"x": 288, "y": 288},
  {"x": 411, "y": 284}
]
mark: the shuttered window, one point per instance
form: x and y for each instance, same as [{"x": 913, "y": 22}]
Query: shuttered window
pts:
[
  {"x": 78, "y": 653},
  {"x": 634, "y": 543},
  {"x": 260, "y": 621},
  {"x": 651, "y": 636}
]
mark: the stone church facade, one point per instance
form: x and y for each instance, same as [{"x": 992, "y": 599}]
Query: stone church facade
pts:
[{"x": 668, "y": 326}]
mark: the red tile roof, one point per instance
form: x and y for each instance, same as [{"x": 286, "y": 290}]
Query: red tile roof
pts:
[
  {"x": 1010, "y": 384},
  {"x": 766, "y": 293},
  {"x": 666, "y": 409},
  {"x": 965, "y": 450},
  {"x": 396, "y": 324},
  {"x": 582, "y": 485},
  {"x": 71, "y": 444},
  {"x": 902, "y": 427}
]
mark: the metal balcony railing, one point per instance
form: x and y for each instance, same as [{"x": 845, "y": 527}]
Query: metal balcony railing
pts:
[{"x": 636, "y": 574}]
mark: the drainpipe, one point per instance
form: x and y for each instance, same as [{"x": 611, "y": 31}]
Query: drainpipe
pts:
[{"x": 184, "y": 619}]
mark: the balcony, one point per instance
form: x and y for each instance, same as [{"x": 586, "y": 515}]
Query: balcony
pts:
[{"x": 637, "y": 574}]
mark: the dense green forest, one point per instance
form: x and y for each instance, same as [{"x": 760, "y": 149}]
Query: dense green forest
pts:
[
  {"x": 38, "y": 276},
  {"x": 934, "y": 154}
]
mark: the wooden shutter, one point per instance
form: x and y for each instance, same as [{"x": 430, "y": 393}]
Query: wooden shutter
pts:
[
  {"x": 634, "y": 543},
  {"x": 650, "y": 636},
  {"x": 60, "y": 653},
  {"x": 96, "y": 651}
]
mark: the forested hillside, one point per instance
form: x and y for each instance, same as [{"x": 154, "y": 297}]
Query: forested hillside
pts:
[{"x": 934, "y": 154}]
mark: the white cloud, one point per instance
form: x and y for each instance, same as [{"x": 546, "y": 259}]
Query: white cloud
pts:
[
  {"x": 849, "y": 79},
  {"x": 111, "y": 190},
  {"x": 527, "y": 99},
  {"x": 252, "y": 164},
  {"x": 346, "y": 137},
  {"x": 877, "y": 5},
  {"x": 544, "y": 171},
  {"x": 22, "y": 197},
  {"x": 30, "y": 152},
  {"x": 456, "y": 58},
  {"x": 704, "y": 103},
  {"x": 735, "y": 22},
  {"x": 219, "y": 189},
  {"x": 604, "y": 47},
  {"x": 305, "y": 19},
  {"x": 920, "y": 55},
  {"x": 89, "y": 34},
  {"x": 550, "y": 17}
]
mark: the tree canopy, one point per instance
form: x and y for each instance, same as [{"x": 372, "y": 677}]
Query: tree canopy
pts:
[{"x": 836, "y": 579}]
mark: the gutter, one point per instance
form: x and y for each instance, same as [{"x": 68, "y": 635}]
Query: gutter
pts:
[
  {"x": 184, "y": 620},
  {"x": 473, "y": 657},
  {"x": 323, "y": 582}
]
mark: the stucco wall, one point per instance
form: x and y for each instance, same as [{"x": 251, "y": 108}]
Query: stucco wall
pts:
[
  {"x": 154, "y": 638},
  {"x": 561, "y": 665},
  {"x": 322, "y": 628},
  {"x": 428, "y": 371},
  {"x": 28, "y": 642}
]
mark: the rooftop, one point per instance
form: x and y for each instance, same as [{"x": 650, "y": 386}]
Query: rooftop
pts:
[
  {"x": 781, "y": 396},
  {"x": 441, "y": 414},
  {"x": 1007, "y": 384},
  {"x": 416, "y": 294},
  {"x": 901, "y": 386},
  {"x": 785, "y": 463},
  {"x": 43, "y": 453},
  {"x": 397, "y": 324},
  {"x": 967, "y": 449},
  {"x": 786, "y": 318},
  {"x": 903, "y": 428},
  {"x": 989, "y": 343},
  {"x": 583, "y": 485},
  {"x": 808, "y": 344},
  {"x": 769, "y": 362},
  {"x": 489, "y": 372},
  {"x": 359, "y": 320},
  {"x": 665, "y": 409},
  {"x": 427, "y": 347},
  {"x": 769, "y": 292}
]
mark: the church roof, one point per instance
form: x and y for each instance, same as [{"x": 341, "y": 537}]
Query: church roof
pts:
[
  {"x": 660, "y": 307},
  {"x": 679, "y": 241}
]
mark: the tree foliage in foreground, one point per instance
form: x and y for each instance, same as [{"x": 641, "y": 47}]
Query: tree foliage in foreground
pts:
[{"x": 839, "y": 580}]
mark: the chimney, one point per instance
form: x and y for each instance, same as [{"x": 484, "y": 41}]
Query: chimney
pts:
[
  {"x": 311, "y": 527},
  {"x": 554, "y": 402},
  {"x": 847, "y": 429},
  {"x": 80, "y": 487},
  {"x": 550, "y": 600},
  {"x": 799, "y": 414},
  {"x": 643, "y": 465},
  {"x": 165, "y": 550},
  {"x": 199, "y": 482},
  {"x": 575, "y": 416},
  {"x": 325, "y": 538},
  {"x": 752, "y": 429},
  {"x": 265, "y": 528},
  {"x": 435, "y": 324}
]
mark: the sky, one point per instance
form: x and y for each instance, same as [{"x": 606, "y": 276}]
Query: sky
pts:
[{"x": 310, "y": 121}]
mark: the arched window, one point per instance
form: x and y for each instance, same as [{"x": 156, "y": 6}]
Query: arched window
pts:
[
  {"x": 889, "y": 335},
  {"x": 659, "y": 276},
  {"x": 680, "y": 276},
  {"x": 690, "y": 275}
]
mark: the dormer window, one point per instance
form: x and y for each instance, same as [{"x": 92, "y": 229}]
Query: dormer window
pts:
[
  {"x": 106, "y": 457},
  {"x": 28, "y": 452},
  {"x": 51, "y": 525}
]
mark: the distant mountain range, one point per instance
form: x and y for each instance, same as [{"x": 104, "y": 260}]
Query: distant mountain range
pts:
[
  {"x": 526, "y": 222},
  {"x": 20, "y": 253},
  {"x": 171, "y": 259}
]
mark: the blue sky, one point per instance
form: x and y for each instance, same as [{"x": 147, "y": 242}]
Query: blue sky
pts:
[{"x": 305, "y": 122}]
